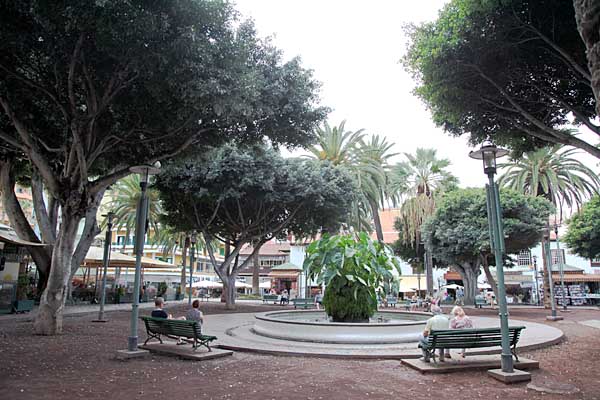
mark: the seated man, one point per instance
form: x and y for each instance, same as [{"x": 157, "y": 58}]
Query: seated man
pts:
[
  {"x": 159, "y": 302},
  {"x": 438, "y": 322}
]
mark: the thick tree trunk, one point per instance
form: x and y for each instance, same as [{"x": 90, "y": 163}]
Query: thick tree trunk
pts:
[
  {"x": 587, "y": 15},
  {"x": 255, "y": 274},
  {"x": 469, "y": 273},
  {"x": 229, "y": 292},
  {"x": 376, "y": 220},
  {"x": 490, "y": 277},
  {"x": 48, "y": 320},
  {"x": 41, "y": 254}
]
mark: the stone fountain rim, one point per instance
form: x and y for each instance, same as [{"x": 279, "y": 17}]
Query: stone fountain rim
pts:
[{"x": 265, "y": 316}]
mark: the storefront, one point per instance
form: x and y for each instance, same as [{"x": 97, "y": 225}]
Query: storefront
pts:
[{"x": 285, "y": 276}]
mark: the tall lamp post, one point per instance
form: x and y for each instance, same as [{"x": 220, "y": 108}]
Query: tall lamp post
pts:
[
  {"x": 140, "y": 235},
  {"x": 561, "y": 269},
  {"x": 549, "y": 279},
  {"x": 535, "y": 280},
  {"x": 105, "y": 260},
  {"x": 192, "y": 254},
  {"x": 488, "y": 153}
]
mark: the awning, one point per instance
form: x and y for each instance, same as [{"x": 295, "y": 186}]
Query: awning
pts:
[
  {"x": 207, "y": 284},
  {"x": 265, "y": 285},
  {"x": 577, "y": 278},
  {"x": 95, "y": 258},
  {"x": 283, "y": 274},
  {"x": 411, "y": 283},
  {"x": 8, "y": 236}
]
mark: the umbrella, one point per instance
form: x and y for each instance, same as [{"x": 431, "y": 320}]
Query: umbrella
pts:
[
  {"x": 207, "y": 284},
  {"x": 265, "y": 285},
  {"x": 239, "y": 284},
  {"x": 452, "y": 286},
  {"x": 484, "y": 286}
]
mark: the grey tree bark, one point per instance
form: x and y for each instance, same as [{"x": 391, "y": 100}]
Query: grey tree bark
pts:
[
  {"x": 255, "y": 274},
  {"x": 469, "y": 273},
  {"x": 587, "y": 16},
  {"x": 489, "y": 276},
  {"x": 376, "y": 220}
]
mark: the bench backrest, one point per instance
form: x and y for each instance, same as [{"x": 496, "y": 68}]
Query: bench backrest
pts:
[
  {"x": 470, "y": 338},
  {"x": 173, "y": 327},
  {"x": 270, "y": 297},
  {"x": 302, "y": 301}
]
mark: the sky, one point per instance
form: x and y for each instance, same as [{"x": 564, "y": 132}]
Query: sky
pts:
[{"x": 354, "y": 48}]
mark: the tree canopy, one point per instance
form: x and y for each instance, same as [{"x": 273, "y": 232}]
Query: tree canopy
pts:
[
  {"x": 242, "y": 195},
  {"x": 512, "y": 70},
  {"x": 90, "y": 88},
  {"x": 459, "y": 231},
  {"x": 583, "y": 235}
]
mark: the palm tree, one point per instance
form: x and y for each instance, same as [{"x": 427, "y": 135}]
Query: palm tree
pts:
[
  {"x": 125, "y": 198},
  {"x": 553, "y": 173},
  {"x": 373, "y": 167},
  {"x": 366, "y": 161},
  {"x": 419, "y": 180}
]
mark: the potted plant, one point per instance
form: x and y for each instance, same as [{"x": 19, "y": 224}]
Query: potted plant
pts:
[
  {"x": 22, "y": 304},
  {"x": 353, "y": 268}
]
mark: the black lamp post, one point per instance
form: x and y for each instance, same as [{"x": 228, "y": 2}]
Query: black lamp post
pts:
[
  {"x": 535, "y": 279},
  {"x": 192, "y": 254},
  {"x": 488, "y": 153},
  {"x": 140, "y": 235}
]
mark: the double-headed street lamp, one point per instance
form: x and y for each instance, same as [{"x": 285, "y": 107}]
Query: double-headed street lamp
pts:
[
  {"x": 488, "y": 153},
  {"x": 140, "y": 235}
]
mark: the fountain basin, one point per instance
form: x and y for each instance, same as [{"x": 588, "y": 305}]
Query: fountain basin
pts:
[{"x": 312, "y": 326}]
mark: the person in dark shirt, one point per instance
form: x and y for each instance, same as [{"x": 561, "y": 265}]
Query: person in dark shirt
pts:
[{"x": 159, "y": 312}]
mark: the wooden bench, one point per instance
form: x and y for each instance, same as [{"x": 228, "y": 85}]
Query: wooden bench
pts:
[
  {"x": 270, "y": 297},
  {"x": 304, "y": 303},
  {"x": 480, "y": 302},
  {"x": 470, "y": 339},
  {"x": 177, "y": 329},
  {"x": 392, "y": 301}
]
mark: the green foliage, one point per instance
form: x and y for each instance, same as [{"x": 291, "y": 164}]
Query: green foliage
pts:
[
  {"x": 583, "y": 236},
  {"x": 459, "y": 229},
  {"x": 352, "y": 269},
  {"x": 511, "y": 70},
  {"x": 553, "y": 173},
  {"x": 245, "y": 194},
  {"x": 121, "y": 83}
]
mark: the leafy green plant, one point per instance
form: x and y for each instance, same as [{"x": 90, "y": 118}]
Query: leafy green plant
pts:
[{"x": 352, "y": 268}]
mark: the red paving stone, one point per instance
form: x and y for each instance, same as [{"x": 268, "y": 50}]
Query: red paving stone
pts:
[{"x": 80, "y": 364}]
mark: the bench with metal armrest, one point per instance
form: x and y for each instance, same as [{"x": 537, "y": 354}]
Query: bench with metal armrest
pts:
[
  {"x": 177, "y": 329},
  {"x": 304, "y": 303},
  {"x": 270, "y": 297},
  {"x": 470, "y": 339}
]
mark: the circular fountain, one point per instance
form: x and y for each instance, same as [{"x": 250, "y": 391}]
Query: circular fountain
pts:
[{"x": 314, "y": 326}]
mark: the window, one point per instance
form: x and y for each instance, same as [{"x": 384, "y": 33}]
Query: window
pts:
[
  {"x": 524, "y": 258},
  {"x": 270, "y": 263},
  {"x": 120, "y": 240},
  {"x": 595, "y": 262},
  {"x": 555, "y": 256}
]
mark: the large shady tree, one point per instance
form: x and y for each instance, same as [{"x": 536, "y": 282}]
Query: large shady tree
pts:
[
  {"x": 583, "y": 235},
  {"x": 90, "y": 88},
  {"x": 512, "y": 70},
  {"x": 242, "y": 196},
  {"x": 459, "y": 232}
]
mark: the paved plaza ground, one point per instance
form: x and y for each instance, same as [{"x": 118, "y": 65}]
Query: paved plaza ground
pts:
[{"x": 81, "y": 364}]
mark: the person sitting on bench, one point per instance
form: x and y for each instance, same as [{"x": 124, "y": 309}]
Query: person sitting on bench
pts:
[
  {"x": 438, "y": 322},
  {"x": 159, "y": 302},
  {"x": 194, "y": 313}
]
